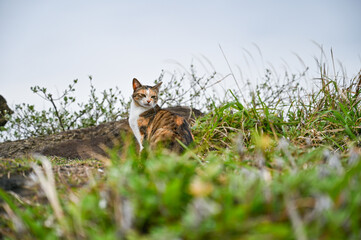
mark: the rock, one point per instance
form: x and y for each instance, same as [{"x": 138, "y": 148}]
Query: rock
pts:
[{"x": 4, "y": 109}]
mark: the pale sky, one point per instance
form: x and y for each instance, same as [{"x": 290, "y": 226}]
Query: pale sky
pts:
[{"x": 50, "y": 43}]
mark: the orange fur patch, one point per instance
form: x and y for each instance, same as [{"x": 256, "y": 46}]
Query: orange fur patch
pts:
[
  {"x": 142, "y": 91},
  {"x": 178, "y": 120},
  {"x": 143, "y": 121}
]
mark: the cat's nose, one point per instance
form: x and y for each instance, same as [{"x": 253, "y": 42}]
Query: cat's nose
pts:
[{"x": 148, "y": 100}]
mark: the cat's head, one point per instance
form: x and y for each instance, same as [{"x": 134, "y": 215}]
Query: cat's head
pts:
[{"x": 145, "y": 96}]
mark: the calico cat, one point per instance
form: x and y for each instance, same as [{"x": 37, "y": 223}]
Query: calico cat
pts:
[{"x": 155, "y": 126}]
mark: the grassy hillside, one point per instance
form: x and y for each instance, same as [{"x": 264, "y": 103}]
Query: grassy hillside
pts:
[{"x": 283, "y": 165}]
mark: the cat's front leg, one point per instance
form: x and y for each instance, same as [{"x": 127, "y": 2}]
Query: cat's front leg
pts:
[{"x": 134, "y": 126}]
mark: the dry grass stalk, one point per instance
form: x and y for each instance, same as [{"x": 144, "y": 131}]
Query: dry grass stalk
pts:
[{"x": 47, "y": 183}]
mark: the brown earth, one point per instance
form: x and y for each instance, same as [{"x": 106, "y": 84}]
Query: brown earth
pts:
[{"x": 80, "y": 143}]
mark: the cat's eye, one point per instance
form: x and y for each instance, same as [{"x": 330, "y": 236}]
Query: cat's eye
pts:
[
  {"x": 154, "y": 97},
  {"x": 141, "y": 95}
]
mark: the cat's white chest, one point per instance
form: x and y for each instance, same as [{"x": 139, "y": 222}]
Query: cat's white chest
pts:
[{"x": 134, "y": 113}]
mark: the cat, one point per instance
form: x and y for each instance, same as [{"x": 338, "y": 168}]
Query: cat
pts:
[{"x": 155, "y": 126}]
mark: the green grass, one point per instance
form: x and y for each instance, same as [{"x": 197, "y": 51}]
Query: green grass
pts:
[
  {"x": 258, "y": 171},
  {"x": 227, "y": 196}
]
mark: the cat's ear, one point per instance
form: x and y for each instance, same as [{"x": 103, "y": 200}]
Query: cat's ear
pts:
[
  {"x": 136, "y": 84},
  {"x": 157, "y": 86}
]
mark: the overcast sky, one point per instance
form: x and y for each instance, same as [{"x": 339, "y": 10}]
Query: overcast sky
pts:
[{"x": 50, "y": 43}]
